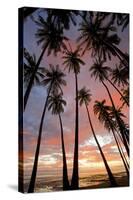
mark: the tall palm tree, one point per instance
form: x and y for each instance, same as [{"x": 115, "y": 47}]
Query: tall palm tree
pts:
[
  {"x": 98, "y": 36},
  {"x": 84, "y": 97},
  {"x": 29, "y": 67},
  {"x": 73, "y": 62},
  {"x": 52, "y": 40},
  {"x": 103, "y": 112},
  {"x": 101, "y": 73},
  {"x": 56, "y": 104},
  {"x": 54, "y": 77}
]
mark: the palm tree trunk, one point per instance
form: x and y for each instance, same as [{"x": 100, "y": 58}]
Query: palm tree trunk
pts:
[
  {"x": 117, "y": 136},
  {"x": 126, "y": 168},
  {"x": 75, "y": 174},
  {"x": 122, "y": 129},
  {"x": 34, "y": 170},
  {"x": 118, "y": 91},
  {"x": 65, "y": 174},
  {"x": 110, "y": 175},
  {"x": 28, "y": 90}
]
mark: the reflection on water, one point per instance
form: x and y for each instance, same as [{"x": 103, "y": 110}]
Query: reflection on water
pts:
[{"x": 90, "y": 182}]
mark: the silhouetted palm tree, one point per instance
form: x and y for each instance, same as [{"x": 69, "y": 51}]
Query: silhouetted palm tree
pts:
[
  {"x": 29, "y": 67},
  {"x": 98, "y": 36},
  {"x": 73, "y": 62},
  {"x": 56, "y": 104},
  {"x": 119, "y": 76},
  {"x": 103, "y": 112},
  {"x": 52, "y": 40},
  {"x": 62, "y": 18},
  {"x": 102, "y": 73},
  {"x": 84, "y": 97},
  {"x": 54, "y": 77},
  {"x": 100, "y": 65}
]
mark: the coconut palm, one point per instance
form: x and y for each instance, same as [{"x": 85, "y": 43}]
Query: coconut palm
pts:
[
  {"x": 54, "y": 77},
  {"x": 101, "y": 73},
  {"x": 73, "y": 63},
  {"x": 29, "y": 67},
  {"x": 62, "y": 18},
  {"x": 100, "y": 65},
  {"x": 119, "y": 76},
  {"x": 51, "y": 39},
  {"x": 98, "y": 36},
  {"x": 103, "y": 112},
  {"x": 56, "y": 104},
  {"x": 84, "y": 97}
]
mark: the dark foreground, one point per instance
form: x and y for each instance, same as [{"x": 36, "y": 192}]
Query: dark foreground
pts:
[{"x": 90, "y": 182}]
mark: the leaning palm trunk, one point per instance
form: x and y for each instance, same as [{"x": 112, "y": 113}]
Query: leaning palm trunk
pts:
[
  {"x": 35, "y": 165},
  {"x": 65, "y": 173},
  {"x": 121, "y": 155},
  {"x": 121, "y": 127},
  {"x": 110, "y": 175},
  {"x": 118, "y": 91},
  {"x": 75, "y": 175},
  {"x": 127, "y": 164},
  {"x": 29, "y": 87}
]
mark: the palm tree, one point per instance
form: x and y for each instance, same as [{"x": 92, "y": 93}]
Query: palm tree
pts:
[
  {"x": 56, "y": 104},
  {"x": 101, "y": 73},
  {"x": 29, "y": 67},
  {"x": 96, "y": 35},
  {"x": 100, "y": 65},
  {"x": 62, "y": 18},
  {"x": 54, "y": 77},
  {"x": 84, "y": 97},
  {"x": 73, "y": 62},
  {"x": 52, "y": 40},
  {"x": 103, "y": 112},
  {"x": 119, "y": 76}
]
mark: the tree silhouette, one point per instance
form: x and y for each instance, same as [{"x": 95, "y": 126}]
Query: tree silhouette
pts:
[
  {"x": 29, "y": 67},
  {"x": 101, "y": 73},
  {"x": 62, "y": 18},
  {"x": 52, "y": 40},
  {"x": 73, "y": 62},
  {"x": 85, "y": 97},
  {"x": 103, "y": 112},
  {"x": 54, "y": 77},
  {"x": 56, "y": 104},
  {"x": 98, "y": 36}
]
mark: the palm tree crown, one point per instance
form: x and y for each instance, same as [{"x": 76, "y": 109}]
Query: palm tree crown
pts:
[
  {"x": 29, "y": 67},
  {"x": 119, "y": 76},
  {"x": 96, "y": 35},
  {"x": 84, "y": 96},
  {"x": 49, "y": 36},
  {"x": 104, "y": 115},
  {"x": 56, "y": 103},
  {"x": 54, "y": 76},
  {"x": 99, "y": 71},
  {"x": 73, "y": 60},
  {"x": 62, "y": 18}
]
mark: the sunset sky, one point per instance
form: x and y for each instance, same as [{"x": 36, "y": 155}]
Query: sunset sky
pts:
[{"x": 50, "y": 159}]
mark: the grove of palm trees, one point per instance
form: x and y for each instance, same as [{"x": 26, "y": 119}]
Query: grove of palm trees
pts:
[{"x": 74, "y": 120}]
